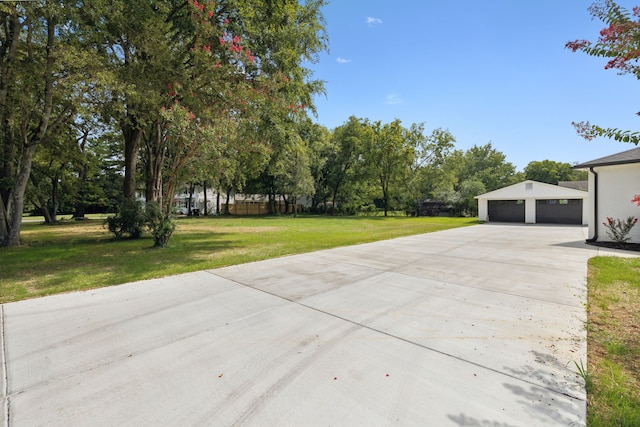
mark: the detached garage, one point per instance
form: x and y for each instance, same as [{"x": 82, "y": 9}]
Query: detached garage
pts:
[{"x": 534, "y": 202}]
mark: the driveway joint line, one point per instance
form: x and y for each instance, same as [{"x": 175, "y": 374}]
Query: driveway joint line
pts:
[{"x": 526, "y": 381}]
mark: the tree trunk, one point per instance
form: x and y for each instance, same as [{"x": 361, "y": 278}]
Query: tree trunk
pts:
[
  {"x": 80, "y": 202},
  {"x": 132, "y": 138},
  {"x": 41, "y": 202},
  {"x": 55, "y": 203},
  {"x": 226, "y": 206},
  {"x": 155, "y": 161},
  {"x": 16, "y": 204},
  {"x": 295, "y": 208},
  {"x": 190, "y": 201},
  {"x": 13, "y": 215},
  {"x": 218, "y": 202},
  {"x": 204, "y": 189},
  {"x": 43, "y": 205},
  {"x": 82, "y": 175},
  {"x": 333, "y": 201}
]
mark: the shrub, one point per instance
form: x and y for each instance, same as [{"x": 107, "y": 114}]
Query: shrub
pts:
[
  {"x": 618, "y": 229},
  {"x": 160, "y": 225},
  {"x": 130, "y": 220}
]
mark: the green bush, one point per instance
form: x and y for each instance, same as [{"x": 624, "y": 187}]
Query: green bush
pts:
[
  {"x": 130, "y": 220},
  {"x": 160, "y": 225}
]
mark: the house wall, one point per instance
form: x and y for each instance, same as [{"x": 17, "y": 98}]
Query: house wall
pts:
[
  {"x": 483, "y": 209},
  {"x": 616, "y": 187}
]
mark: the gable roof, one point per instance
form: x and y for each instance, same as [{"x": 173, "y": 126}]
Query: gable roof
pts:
[
  {"x": 625, "y": 157},
  {"x": 576, "y": 185},
  {"x": 533, "y": 189}
]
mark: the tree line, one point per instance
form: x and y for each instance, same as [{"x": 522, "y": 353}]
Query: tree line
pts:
[{"x": 104, "y": 99}]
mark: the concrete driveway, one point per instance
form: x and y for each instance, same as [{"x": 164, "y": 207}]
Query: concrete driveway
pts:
[{"x": 466, "y": 327}]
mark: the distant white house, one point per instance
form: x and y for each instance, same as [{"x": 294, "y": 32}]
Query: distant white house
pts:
[
  {"x": 613, "y": 181},
  {"x": 533, "y": 202}
]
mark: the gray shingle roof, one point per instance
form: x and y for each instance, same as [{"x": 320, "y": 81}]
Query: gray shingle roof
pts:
[{"x": 629, "y": 156}]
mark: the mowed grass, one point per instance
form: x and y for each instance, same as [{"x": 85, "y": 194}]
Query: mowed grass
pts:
[
  {"x": 82, "y": 255},
  {"x": 613, "y": 342}
]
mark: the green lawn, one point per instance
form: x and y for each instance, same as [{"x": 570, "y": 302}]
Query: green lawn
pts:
[
  {"x": 78, "y": 255},
  {"x": 613, "y": 342}
]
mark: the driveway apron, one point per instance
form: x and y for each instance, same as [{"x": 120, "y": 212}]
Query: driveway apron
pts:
[{"x": 480, "y": 325}]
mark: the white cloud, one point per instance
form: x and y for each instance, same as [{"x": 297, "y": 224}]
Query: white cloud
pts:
[
  {"x": 371, "y": 21},
  {"x": 393, "y": 99},
  {"x": 343, "y": 60}
]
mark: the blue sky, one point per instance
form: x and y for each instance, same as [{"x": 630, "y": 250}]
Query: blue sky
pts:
[{"x": 488, "y": 71}]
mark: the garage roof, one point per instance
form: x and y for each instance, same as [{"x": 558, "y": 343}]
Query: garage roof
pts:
[
  {"x": 629, "y": 156},
  {"x": 533, "y": 189}
]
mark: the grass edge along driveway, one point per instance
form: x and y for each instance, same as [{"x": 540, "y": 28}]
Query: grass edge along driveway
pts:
[
  {"x": 81, "y": 255},
  {"x": 612, "y": 376}
]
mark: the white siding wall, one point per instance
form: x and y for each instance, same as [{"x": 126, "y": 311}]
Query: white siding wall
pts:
[
  {"x": 530, "y": 211},
  {"x": 483, "y": 209},
  {"x": 616, "y": 187}
]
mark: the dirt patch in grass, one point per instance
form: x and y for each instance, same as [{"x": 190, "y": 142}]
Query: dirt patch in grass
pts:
[{"x": 613, "y": 335}]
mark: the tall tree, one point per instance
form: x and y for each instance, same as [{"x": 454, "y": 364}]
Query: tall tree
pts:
[
  {"x": 390, "y": 152},
  {"x": 428, "y": 173},
  {"x": 620, "y": 44},
  {"x": 143, "y": 47},
  {"x": 40, "y": 70},
  {"x": 318, "y": 138},
  {"x": 344, "y": 156},
  {"x": 487, "y": 165}
]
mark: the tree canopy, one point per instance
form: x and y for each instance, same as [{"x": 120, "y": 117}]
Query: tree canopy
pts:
[
  {"x": 552, "y": 172},
  {"x": 172, "y": 77}
]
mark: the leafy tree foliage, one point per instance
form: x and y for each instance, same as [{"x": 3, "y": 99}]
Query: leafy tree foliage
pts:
[
  {"x": 343, "y": 169},
  {"x": 472, "y": 172},
  {"x": 428, "y": 173},
  {"x": 390, "y": 151},
  {"x": 552, "y": 172},
  {"x": 620, "y": 44},
  {"x": 487, "y": 165},
  {"x": 41, "y": 84},
  {"x": 219, "y": 61}
]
